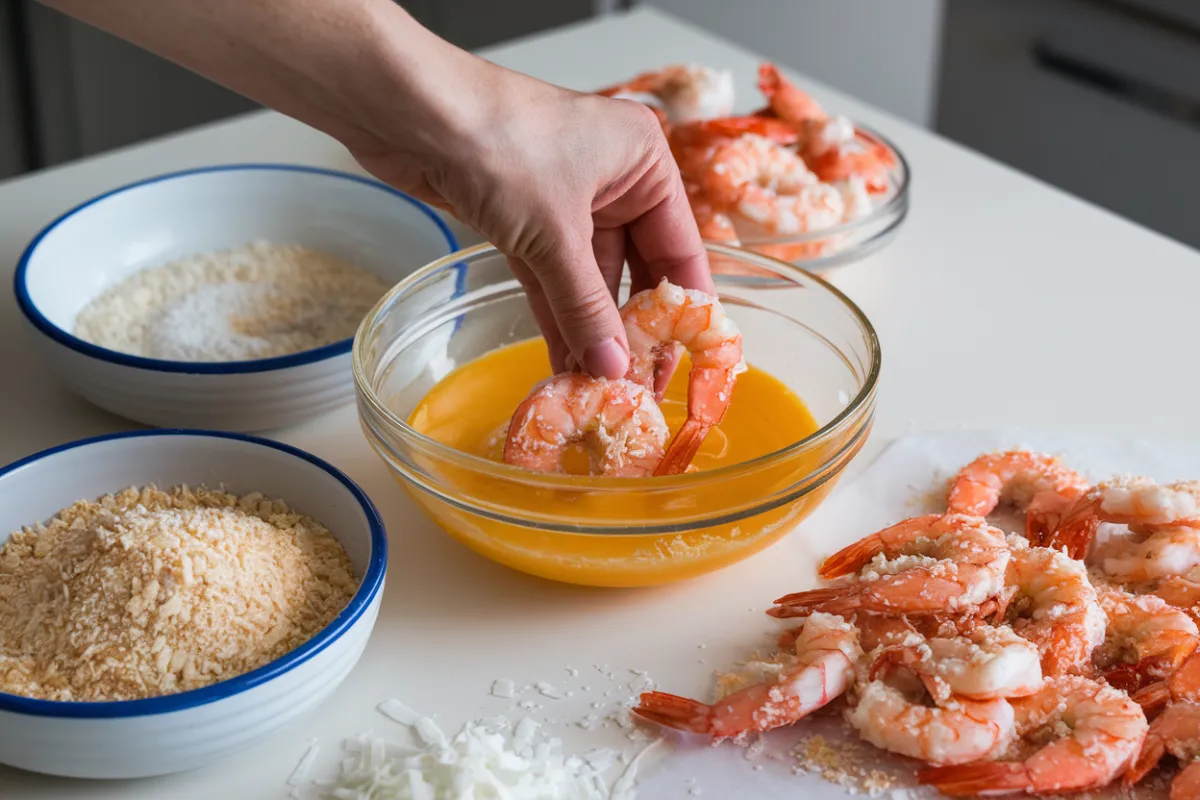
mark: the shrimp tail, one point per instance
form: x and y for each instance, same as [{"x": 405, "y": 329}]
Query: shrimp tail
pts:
[
  {"x": 1076, "y": 531},
  {"x": 968, "y": 780},
  {"x": 849, "y": 559},
  {"x": 1153, "y": 749},
  {"x": 1153, "y": 697},
  {"x": 675, "y": 712},
  {"x": 801, "y": 604},
  {"x": 683, "y": 447}
]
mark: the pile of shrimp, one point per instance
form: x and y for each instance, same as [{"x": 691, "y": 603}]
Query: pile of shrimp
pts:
[
  {"x": 785, "y": 170},
  {"x": 619, "y": 423},
  {"x": 1056, "y": 658}
]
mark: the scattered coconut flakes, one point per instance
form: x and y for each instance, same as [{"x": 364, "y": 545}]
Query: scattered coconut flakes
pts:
[
  {"x": 626, "y": 786},
  {"x": 398, "y": 712},
  {"x": 546, "y": 689},
  {"x": 504, "y": 688},
  {"x": 300, "y": 773}
]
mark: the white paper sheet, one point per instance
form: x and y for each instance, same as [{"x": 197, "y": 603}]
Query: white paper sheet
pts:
[{"x": 907, "y": 479}]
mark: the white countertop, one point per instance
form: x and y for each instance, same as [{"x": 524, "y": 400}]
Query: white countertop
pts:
[{"x": 1002, "y": 302}]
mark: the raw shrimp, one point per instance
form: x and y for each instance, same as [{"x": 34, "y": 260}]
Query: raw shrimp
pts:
[
  {"x": 617, "y": 421},
  {"x": 821, "y": 671},
  {"x": 935, "y": 564},
  {"x": 1035, "y": 482},
  {"x": 1095, "y": 732},
  {"x": 983, "y": 664},
  {"x": 686, "y": 92},
  {"x": 1051, "y": 602},
  {"x": 905, "y": 717},
  {"x": 656, "y": 322},
  {"x": 1146, "y": 638},
  {"x": 1127, "y": 501},
  {"x": 772, "y": 187}
]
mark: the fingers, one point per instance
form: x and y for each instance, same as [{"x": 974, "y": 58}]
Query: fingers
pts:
[
  {"x": 579, "y": 298},
  {"x": 608, "y": 244},
  {"x": 667, "y": 240},
  {"x": 560, "y": 360}
]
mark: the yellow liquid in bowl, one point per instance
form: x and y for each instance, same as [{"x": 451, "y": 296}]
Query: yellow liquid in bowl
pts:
[{"x": 470, "y": 408}]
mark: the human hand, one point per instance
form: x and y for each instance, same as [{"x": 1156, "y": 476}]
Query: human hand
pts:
[{"x": 569, "y": 187}]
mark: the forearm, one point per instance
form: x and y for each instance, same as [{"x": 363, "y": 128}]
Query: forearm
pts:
[{"x": 346, "y": 67}]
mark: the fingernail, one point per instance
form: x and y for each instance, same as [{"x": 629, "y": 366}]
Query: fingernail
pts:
[{"x": 606, "y": 359}]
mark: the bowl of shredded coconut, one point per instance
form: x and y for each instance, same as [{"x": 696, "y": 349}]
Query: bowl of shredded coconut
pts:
[
  {"x": 222, "y": 297},
  {"x": 170, "y": 597}
]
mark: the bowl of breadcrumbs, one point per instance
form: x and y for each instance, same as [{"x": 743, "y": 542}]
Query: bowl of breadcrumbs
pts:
[
  {"x": 169, "y": 597},
  {"x": 223, "y": 297}
]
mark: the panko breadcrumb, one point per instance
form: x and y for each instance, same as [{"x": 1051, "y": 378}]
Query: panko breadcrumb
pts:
[{"x": 148, "y": 592}]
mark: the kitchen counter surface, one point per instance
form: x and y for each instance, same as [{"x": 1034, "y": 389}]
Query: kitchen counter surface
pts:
[{"x": 1002, "y": 302}]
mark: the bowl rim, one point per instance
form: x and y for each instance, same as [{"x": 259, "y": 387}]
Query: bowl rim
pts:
[
  {"x": 471, "y": 461},
  {"x": 896, "y": 204},
  {"x": 68, "y": 339},
  {"x": 369, "y": 587}
]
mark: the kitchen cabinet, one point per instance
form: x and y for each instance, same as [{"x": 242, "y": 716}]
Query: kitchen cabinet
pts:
[
  {"x": 88, "y": 91},
  {"x": 1098, "y": 97}
]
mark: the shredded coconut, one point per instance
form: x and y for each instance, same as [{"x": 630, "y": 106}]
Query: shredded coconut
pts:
[
  {"x": 146, "y": 593},
  {"x": 256, "y": 301},
  {"x": 490, "y": 758}
]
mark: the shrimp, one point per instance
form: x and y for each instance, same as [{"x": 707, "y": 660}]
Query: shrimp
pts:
[
  {"x": 1149, "y": 554},
  {"x": 786, "y": 100},
  {"x": 715, "y": 225},
  {"x": 905, "y": 717},
  {"x": 1051, "y": 602},
  {"x": 1094, "y": 731},
  {"x": 772, "y": 187},
  {"x": 1126, "y": 501},
  {"x": 933, "y": 564},
  {"x": 1183, "y": 592},
  {"x": 687, "y": 92},
  {"x": 821, "y": 670},
  {"x": 1146, "y": 638},
  {"x": 859, "y": 157},
  {"x": 1176, "y": 730},
  {"x": 617, "y": 421},
  {"x": 983, "y": 664},
  {"x": 656, "y": 320},
  {"x": 1036, "y": 482}
]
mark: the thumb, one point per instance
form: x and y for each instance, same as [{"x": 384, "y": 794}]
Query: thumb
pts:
[{"x": 583, "y": 308}]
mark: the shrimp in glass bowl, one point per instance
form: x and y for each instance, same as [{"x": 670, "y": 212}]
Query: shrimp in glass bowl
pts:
[{"x": 852, "y": 200}]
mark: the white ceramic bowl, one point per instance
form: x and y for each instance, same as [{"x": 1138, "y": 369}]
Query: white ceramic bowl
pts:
[
  {"x": 106, "y": 239},
  {"x": 162, "y": 735}
]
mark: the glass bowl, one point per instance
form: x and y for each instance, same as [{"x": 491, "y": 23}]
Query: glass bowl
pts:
[
  {"x": 842, "y": 244},
  {"x": 603, "y": 531}
]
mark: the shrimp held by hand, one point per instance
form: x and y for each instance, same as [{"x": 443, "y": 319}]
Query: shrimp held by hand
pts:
[
  {"x": 1096, "y": 729},
  {"x": 656, "y": 322},
  {"x": 821, "y": 671},
  {"x": 617, "y": 422}
]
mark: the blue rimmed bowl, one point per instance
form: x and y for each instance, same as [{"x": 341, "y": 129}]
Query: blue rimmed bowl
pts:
[
  {"x": 173, "y": 733},
  {"x": 145, "y": 224}
]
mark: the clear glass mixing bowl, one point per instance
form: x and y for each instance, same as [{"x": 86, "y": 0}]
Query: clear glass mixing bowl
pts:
[{"x": 615, "y": 531}]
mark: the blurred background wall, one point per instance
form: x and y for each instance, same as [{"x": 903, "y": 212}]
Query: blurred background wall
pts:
[{"x": 1098, "y": 97}]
